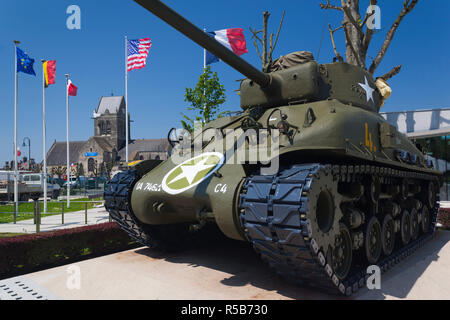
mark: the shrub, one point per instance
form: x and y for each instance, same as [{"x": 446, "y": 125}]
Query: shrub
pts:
[{"x": 26, "y": 253}]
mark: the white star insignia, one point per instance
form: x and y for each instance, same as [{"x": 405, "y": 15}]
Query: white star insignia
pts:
[
  {"x": 368, "y": 89},
  {"x": 191, "y": 171}
]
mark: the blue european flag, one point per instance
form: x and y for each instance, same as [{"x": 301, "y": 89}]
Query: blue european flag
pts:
[{"x": 24, "y": 62}]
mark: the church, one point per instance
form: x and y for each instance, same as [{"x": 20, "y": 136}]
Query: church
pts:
[{"x": 105, "y": 150}]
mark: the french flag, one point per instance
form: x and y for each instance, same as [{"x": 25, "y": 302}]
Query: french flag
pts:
[{"x": 232, "y": 38}]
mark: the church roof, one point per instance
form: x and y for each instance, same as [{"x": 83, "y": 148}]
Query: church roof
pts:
[
  {"x": 103, "y": 143},
  {"x": 57, "y": 154},
  {"x": 111, "y": 104},
  {"x": 148, "y": 145}
]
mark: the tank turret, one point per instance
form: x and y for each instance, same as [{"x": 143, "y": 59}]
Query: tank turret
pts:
[{"x": 298, "y": 82}]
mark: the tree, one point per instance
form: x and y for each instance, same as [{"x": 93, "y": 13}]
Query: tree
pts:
[
  {"x": 357, "y": 40},
  {"x": 266, "y": 54},
  {"x": 205, "y": 100},
  {"x": 58, "y": 171},
  {"x": 78, "y": 170}
]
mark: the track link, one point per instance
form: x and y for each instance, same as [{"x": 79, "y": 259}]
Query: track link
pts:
[{"x": 273, "y": 214}]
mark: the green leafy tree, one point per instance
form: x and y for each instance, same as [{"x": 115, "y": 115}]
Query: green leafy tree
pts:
[{"x": 205, "y": 100}]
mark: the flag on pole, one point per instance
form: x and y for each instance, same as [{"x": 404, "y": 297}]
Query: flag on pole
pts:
[
  {"x": 232, "y": 38},
  {"x": 137, "y": 53},
  {"x": 49, "y": 72},
  {"x": 24, "y": 62},
  {"x": 71, "y": 89}
]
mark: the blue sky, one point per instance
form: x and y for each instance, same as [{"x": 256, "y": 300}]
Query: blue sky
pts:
[{"x": 94, "y": 57}]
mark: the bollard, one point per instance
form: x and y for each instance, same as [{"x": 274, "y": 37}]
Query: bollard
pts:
[
  {"x": 37, "y": 210},
  {"x": 34, "y": 213},
  {"x": 62, "y": 212},
  {"x": 85, "y": 212},
  {"x": 15, "y": 213}
]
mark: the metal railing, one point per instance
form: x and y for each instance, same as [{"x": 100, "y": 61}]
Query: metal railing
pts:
[{"x": 37, "y": 214}]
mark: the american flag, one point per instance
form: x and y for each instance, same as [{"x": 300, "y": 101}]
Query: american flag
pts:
[{"x": 137, "y": 52}]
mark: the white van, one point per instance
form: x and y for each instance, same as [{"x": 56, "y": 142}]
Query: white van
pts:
[{"x": 36, "y": 180}]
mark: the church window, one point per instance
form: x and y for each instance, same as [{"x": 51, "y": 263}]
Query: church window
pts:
[{"x": 91, "y": 164}]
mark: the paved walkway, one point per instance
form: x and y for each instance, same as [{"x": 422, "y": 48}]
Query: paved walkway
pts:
[
  {"x": 50, "y": 223},
  {"x": 220, "y": 268}
]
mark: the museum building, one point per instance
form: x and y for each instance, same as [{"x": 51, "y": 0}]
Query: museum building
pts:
[{"x": 431, "y": 130}]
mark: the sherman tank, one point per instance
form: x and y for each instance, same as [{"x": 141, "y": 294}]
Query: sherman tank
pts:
[{"x": 348, "y": 190}]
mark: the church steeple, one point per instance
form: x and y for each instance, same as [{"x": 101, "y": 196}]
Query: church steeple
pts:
[{"x": 109, "y": 120}]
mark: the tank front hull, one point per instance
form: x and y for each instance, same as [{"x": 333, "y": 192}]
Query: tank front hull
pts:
[{"x": 155, "y": 203}]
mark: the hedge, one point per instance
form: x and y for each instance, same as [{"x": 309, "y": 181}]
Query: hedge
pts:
[{"x": 27, "y": 253}]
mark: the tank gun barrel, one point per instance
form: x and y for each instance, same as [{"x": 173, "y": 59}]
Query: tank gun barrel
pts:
[{"x": 184, "y": 26}]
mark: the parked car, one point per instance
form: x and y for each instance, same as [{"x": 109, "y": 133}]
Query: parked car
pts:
[
  {"x": 95, "y": 183},
  {"x": 35, "y": 184},
  {"x": 73, "y": 182}
]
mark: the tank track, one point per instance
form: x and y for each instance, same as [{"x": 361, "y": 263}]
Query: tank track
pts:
[
  {"x": 118, "y": 204},
  {"x": 272, "y": 213}
]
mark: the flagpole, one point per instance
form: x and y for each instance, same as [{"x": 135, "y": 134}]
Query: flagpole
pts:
[
  {"x": 16, "y": 175},
  {"x": 204, "y": 67},
  {"x": 44, "y": 139},
  {"x": 204, "y": 55},
  {"x": 67, "y": 143},
  {"x": 126, "y": 101}
]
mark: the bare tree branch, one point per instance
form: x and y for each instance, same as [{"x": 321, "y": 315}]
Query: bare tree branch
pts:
[
  {"x": 408, "y": 6},
  {"x": 338, "y": 56},
  {"x": 391, "y": 73},
  {"x": 266, "y": 16},
  {"x": 367, "y": 18},
  {"x": 257, "y": 49},
  {"x": 270, "y": 48},
  {"x": 329, "y": 6},
  {"x": 255, "y": 37},
  {"x": 270, "y": 45},
  {"x": 369, "y": 34},
  {"x": 349, "y": 41},
  {"x": 276, "y": 38},
  {"x": 352, "y": 20}
]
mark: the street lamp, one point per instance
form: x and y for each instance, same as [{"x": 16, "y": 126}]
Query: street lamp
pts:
[{"x": 29, "y": 149}]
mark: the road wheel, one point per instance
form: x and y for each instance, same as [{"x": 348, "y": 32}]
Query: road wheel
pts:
[
  {"x": 425, "y": 223},
  {"x": 405, "y": 227},
  {"x": 414, "y": 224},
  {"x": 373, "y": 240},
  {"x": 388, "y": 234},
  {"x": 342, "y": 253}
]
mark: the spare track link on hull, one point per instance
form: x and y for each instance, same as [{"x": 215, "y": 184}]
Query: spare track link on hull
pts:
[
  {"x": 273, "y": 213},
  {"x": 117, "y": 203}
]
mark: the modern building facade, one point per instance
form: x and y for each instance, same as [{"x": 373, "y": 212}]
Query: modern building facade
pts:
[{"x": 429, "y": 129}]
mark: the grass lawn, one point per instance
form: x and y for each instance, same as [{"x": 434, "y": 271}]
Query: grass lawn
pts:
[
  {"x": 53, "y": 207},
  {"x": 8, "y": 235}
]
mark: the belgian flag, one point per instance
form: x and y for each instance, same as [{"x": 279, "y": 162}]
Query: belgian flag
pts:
[{"x": 49, "y": 72}]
